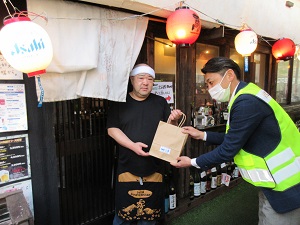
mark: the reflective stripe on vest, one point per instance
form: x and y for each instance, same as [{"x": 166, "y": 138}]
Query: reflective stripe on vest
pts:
[
  {"x": 254, "y": 170},
  {"x": 282, "y": 158},
  {"x": 257, "y": 175},
  {"x": 280, "y": 169}
]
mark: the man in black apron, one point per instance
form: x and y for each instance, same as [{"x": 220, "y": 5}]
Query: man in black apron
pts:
[{"x": 132, "y": 124}]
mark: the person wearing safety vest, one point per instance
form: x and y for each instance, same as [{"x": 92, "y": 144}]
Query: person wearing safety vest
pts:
[{"x": 261, "y": 138}]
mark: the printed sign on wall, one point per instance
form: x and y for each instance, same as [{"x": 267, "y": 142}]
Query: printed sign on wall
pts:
[
  {"x": 13, "y": 114},
  {"x": 7, "y": 72},
  {"x": 164, "y": 89},
  {"x": 14, "y": 159}
]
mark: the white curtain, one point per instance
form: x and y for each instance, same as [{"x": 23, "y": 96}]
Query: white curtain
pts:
[{"x": 94, "y": 50}]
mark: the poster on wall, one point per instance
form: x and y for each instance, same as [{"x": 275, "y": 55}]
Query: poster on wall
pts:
[
  {"x": 25, "y": 186},
  {"x": 7, "y": 72},
  {"x": 14, "y": 159},
  {"x": 164, "y": 89},
  {"x": 13, "y": 114}
]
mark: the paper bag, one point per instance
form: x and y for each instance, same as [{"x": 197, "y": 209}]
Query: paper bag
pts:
[{"x": 168, "y": 141}]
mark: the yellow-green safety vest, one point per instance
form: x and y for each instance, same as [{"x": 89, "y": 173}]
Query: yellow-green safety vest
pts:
[{"x": 280, "y": 169}]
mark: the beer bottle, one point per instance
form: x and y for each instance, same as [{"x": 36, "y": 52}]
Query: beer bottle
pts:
[
  {"x": 229, "y": 169},
  {"x": 172, "y": 196},
  {"x": 208, "y": 180},
  {"x": 222, "y": 121},
  {"x": 232, "y": 170},
  {"x": 225, "y": 115},
  {"x": 236, "y": 172},
  {"x": 166, "y": 189},
  {"x": 213, "y": 184},
  {"x": 224, "y": 173},
  {"x": 219, "y": 176},
  {"x": 223, "y": 168},
  {"x": 191, "y": 188},
  {"x": 196, "y": 183},
  {"x": 203, "y": 181}
]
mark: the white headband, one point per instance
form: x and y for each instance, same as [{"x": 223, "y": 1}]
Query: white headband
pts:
[{"x": 142, "y": 69}]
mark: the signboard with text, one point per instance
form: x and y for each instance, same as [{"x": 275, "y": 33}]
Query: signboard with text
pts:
[
  {"x": 14, "y": 158},
  {"x": 7, "y": 72},
  {"x": 13, "y": 113},
  {"x": 164, "y": 89}
]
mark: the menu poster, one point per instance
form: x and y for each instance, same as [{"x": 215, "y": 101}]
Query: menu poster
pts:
[
  {"x": 13, "y": 113},
  {"x": 14, "y": 159},
  {"x": 7, "y": 72},
  {"x": 23, "y": 185}
]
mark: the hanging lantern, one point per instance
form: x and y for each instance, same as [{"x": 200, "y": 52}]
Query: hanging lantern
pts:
[
  {"x": 25, "y": 45},
  {"x": 245, "y": 42},
  {"x": 284, "y": 49},
  {"x": 183, "y": 26}
]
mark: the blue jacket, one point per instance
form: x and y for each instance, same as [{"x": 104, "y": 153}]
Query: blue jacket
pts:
[{"x": 254, "y": 128}]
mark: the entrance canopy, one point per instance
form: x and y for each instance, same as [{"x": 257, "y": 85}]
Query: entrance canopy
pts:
[{"x": 269, "y": 18}]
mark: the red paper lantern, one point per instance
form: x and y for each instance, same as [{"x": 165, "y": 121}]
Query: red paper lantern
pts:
[
  {"x": 284, "y": 49},
  {"x": 183, "y": 26}
]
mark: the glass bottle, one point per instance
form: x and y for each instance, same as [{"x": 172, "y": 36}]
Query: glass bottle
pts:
[
  {"x": 219, "y": 176},
  {"x": 222, "y": 121},
  {"x": 225, "y": 115},
  {"x": 201, "y": 118},
  {"x": 166, "y": 195},
  {"x": 208, "y": 180},
  {"x": 232, "y": 170},
  {"x": 191, "y": 187},
  {"x": 213, "y": 184},
  {"x": 236, "y": 172},
  {"x": 197, "y": 184},
  {"x": 172, "y": 196},
  {"x": 172, "y": 193},
  {"x": 229, "y": 169},
  {"x": 203, "y": 181},
  {"x": 223, "y": 173}
]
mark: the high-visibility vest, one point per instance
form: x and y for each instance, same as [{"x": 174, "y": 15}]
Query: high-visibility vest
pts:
[{"x": 280, "y": 169}]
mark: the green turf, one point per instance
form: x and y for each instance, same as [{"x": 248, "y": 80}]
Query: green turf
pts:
[{"x": 239, "y": 206}]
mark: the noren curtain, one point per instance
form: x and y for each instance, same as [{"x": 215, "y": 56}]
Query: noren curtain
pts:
[{"x": 94, "y": 50}]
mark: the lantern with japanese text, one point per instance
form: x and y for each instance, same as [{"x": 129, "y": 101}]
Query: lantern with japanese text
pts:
[
  {"x": 183, "y": 26},
  {"x": 284, "y": 49},
  {"x": 245, "y": 42},
  {"x": 25, "y": 45}
]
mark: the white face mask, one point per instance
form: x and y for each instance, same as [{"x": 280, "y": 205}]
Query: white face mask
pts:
[{"x": 220, "y": 94}]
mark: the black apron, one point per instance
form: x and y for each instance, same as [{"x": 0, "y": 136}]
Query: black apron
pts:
[{"x": 139, "y": 197}]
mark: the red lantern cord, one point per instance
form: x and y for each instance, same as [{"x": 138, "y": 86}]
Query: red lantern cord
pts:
[
  {"x": 15, "y": 8},
  {"x": 22, "y": 14},
  {"x": 17, "y": 13}
]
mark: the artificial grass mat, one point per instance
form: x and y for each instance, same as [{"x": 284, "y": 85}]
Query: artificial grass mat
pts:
[{"x": 238, "y": 206}]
